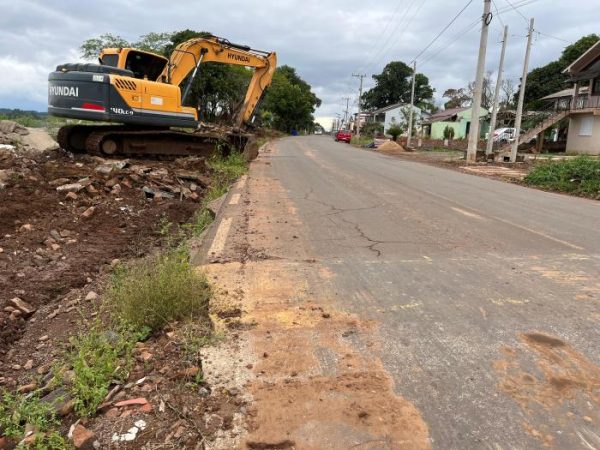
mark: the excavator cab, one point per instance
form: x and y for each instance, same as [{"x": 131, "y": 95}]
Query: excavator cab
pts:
[{"x": 144, "y": 65}]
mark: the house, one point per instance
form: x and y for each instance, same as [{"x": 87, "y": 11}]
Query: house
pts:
[
  {"x": 584, "y": 116},
  {"x": 396, "y": 114},
  {"x": 457, "y": 118}
]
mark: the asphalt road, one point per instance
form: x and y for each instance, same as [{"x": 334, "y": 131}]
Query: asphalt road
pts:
[{"x": 485, "y": 294}]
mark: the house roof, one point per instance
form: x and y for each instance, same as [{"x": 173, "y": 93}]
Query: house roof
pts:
[
  {"x": 440, "y": 116},
  {"x": 565, "y": 93},
  {"x": 584, "y": 60},
  {"x": 389, "y": 107}
]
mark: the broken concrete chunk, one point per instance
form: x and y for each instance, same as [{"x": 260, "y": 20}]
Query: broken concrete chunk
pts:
[
  {"x": 71, "y": 187},
  {"x": 88, "y": 212},
  {"x": 25, "y": 308},
  {"x": 83, "y": 439}
]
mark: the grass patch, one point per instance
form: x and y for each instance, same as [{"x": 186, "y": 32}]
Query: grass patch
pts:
[
  {"x": 99, "y": 357},
  {"x": 361, "y": 140},
  {"x": 580, "y": 175},
  {"x": 157, "y": 290},
  {"x": 18, "y": 411}
]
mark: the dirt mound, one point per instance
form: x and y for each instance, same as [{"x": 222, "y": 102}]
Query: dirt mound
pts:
[
  {"x": 64, "y": 218},
  {"x": 14, "y": 136},
  {"x": 391, "y": 147}
]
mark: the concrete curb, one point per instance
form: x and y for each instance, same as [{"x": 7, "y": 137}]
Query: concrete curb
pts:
[{"x": 199, "y": 245}]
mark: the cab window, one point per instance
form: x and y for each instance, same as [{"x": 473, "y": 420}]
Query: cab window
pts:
[
  {"x": 145, "y": 65},
  {"x": 110, "y": 60}
]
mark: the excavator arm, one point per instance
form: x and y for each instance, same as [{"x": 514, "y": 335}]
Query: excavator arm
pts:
[{"x": 187, "y": 57}]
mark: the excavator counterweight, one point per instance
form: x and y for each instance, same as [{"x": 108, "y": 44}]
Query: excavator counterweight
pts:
[{"x": 138, "y": 93}]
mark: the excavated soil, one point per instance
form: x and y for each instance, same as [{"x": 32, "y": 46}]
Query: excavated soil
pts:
[{"x": 51, "y": 244}]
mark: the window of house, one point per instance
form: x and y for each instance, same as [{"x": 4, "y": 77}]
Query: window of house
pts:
[
  {"x": 596, "y": 87},
  {"x": 586, "y": 126}
]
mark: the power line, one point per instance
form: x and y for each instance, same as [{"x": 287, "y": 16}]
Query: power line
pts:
[
  {"x": 443, "y": 30},
  {"x": 373, "y": 47},
  {"x": 553, "y": 37},
  {"x": 515, "y": 9},
  {"x": 497, "y": 13},
  {"x": 377, "y": 56},
  {"x": 472, "y": 26}
]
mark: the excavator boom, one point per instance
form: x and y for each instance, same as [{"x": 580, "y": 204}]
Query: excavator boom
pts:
[{"x": 188, "y": 56}]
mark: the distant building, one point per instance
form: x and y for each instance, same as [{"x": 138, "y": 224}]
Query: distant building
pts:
[
  {"x": 457, "y": 118},
  {"x": 395, "y": 115}
]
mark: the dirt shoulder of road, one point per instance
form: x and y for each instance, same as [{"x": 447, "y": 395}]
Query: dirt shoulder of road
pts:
[
  {"x": 68, "y": 224},
  {"x": 506, "y": 172}
]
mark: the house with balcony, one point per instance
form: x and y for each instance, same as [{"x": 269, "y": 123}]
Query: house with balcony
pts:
[{"x": 584, "y": 117}]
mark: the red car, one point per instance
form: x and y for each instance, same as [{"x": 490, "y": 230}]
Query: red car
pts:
[{"x": 343, "y": 135}]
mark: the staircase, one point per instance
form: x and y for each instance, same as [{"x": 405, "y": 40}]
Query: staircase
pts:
[{"x": 530, "y": 134}]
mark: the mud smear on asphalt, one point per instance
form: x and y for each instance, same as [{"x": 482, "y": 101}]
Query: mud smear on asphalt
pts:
[
  {"x": 548, "y": 378},
  {"x": 312, "y": 375}
]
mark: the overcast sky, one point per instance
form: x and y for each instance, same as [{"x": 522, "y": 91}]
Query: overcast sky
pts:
[{"x": 326, "y": 40}]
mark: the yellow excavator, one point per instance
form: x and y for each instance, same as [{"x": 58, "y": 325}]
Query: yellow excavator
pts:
[{"x": 140, "y": 91}]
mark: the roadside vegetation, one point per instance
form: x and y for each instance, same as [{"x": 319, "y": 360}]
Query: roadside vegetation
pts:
[
  {"x": 19, "y": 414},
  {"x": 141, "y": 298},
  {"x": 579, "y": 175},
  {"x": 361, "y": 140}
]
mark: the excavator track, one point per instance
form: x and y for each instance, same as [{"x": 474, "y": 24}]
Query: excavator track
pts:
[{"x": 121, "y": 141}]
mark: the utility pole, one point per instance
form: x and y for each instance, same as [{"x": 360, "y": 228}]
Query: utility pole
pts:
[
  {"x": 490, "y": 142},
  {"x": 347, "y": 110},
  {"x": 476, "y": 108},
  {"x": 412, "y": 103},
  {"x": 515, "y": 144},
  {"x": 361, "y": 76}
]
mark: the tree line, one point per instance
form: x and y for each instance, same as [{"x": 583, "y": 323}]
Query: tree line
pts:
[{"x": 219, "y": 89}]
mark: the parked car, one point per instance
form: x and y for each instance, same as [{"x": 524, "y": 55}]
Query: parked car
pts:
[
  {"x": 504, "y": 135},
  {"x": 344, "y": 136}
]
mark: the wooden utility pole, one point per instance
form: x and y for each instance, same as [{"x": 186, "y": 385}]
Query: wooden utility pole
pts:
[
  {"x": 515, "y": 144},
  {"x": 476, "y": 107},
  {"x": 412, "y": 103},
  {"x": 490, "y": 142},
  {"x": 361, "y": 76}
]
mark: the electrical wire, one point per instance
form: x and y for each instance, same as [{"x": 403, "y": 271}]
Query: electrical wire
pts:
[
  {"x": 515, "y": 9},
  {"x": 553, "y": 37},
  {"x": 376, "y": 57},
  {"x": 443, "y": 30}
]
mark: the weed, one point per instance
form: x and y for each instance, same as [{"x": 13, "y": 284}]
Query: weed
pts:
[
  {"x": 580, "y": 175},
  {"x": 158, "y": 290},
  {"x": 98, "y": 358},
  {"x": 18, "y": 411},
  {"x": 196, "y": 336},
  {"x": 361, "y": 140}
]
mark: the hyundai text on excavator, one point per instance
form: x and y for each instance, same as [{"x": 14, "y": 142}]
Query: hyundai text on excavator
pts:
[{"x": 140, "y": 91}]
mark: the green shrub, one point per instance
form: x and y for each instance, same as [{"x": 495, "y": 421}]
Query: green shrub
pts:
[
  {"x": 98, "y": 357},
  {"x": 17, "y": 411},
  {"x": 394, "y": 131},
  {"x": 449, "y": 132},
  {"x": 578, "y": 175},
  {"x": 158, "y": 290}
]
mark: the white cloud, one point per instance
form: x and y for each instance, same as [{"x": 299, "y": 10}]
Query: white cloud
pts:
[{"x": 326, "y": 40}]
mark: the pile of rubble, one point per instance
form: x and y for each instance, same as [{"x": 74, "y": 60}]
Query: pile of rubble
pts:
[{"x": 14, "y": 136}]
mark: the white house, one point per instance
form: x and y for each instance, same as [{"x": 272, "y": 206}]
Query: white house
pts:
[
  {"x": 584, "y": 117},
  {"x": 396, "y": 114}
]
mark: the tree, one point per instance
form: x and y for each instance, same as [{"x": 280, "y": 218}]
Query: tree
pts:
[
  {"x": 449, "y": 132},
  {"x": 487, "y": 92},
  {"x": 91, "y": 48},
  {"x": 291, "y": 101},
  {"x": 550, "y": 78},
  {"x": 508, "y": 93},
  {"x": 393, "y": 85},
  {"x": 372, "y": 128},
  {"x": 458, "y": 98}
]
